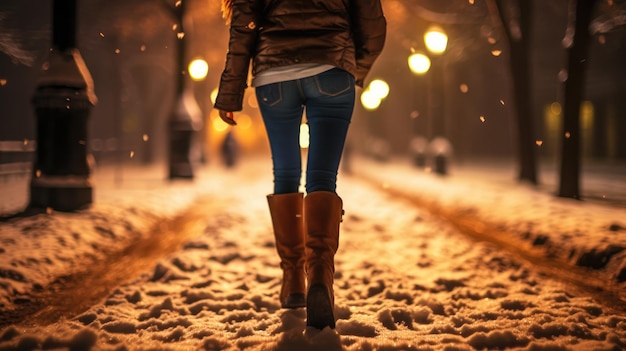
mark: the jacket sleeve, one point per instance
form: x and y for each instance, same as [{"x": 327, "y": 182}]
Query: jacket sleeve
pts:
[
  {"x": 241, "y": 47},
  {"x": 369, "y": 32}
]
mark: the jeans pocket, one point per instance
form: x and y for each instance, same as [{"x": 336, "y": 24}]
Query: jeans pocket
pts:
[
  {"x": 270, "y": 94},
  {"x": 334, "y": 82}
]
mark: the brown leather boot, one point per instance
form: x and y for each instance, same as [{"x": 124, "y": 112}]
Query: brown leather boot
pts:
[
  {"x": 287, "y": 220},
  {"x": 322, "y": 215}
]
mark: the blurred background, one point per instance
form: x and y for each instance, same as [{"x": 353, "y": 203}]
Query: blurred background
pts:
[{"x": 464, "y": 92}]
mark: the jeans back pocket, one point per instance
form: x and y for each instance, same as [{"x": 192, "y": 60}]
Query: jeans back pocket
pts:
[
  {"x": 334, "y": 82},
  {"x": 270, "y": 94}
]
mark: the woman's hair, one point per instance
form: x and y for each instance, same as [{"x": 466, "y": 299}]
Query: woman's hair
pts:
[{"x": 227, "y": 10}]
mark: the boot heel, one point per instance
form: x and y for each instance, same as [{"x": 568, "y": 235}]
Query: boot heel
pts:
[
  {"x": 295, "y": 300},
  {"x": 319, "y": 308}
]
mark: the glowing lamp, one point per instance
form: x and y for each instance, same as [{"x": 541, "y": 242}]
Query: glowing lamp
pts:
[
  {"x": 436, "y": 40},
  {"x": 198, "y": 69},
  {"x": 419, "y": 63}
]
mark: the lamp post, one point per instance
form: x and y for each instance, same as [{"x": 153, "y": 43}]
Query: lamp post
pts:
[
  {"x": 186, "y": 119},
  {"x": 436, "y": 42},
  {"x": 371, "y": 99},
  {"x": 63, "y": 99},
  {"x": 198, "y": 70},
  {"x": 419, "y": 64}
]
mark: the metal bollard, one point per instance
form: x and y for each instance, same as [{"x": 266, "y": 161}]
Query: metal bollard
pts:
[{"x": 63, "y": 100}]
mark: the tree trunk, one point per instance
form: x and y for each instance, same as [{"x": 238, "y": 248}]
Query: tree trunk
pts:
[
  {"x": 519, "y": 61},
  {"x": 520, "y": 68},
  {"x": 573, "y": 94}
]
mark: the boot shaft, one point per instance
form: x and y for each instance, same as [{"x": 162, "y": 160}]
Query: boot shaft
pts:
[
  {"x": 323, "y": 213},
  {"x": 322, "y": 216},
  {"x": 286, "y": 211}
]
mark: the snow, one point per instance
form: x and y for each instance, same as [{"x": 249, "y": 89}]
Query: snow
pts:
[{"x": 406, "y": 278}]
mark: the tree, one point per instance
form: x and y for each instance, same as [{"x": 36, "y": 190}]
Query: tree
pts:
[
  {"x": 576, "y": 42},
  {"x": 516, "y": 28}
]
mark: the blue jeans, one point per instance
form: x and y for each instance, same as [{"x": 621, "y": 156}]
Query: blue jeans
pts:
[{"x": 329, "y": 102}]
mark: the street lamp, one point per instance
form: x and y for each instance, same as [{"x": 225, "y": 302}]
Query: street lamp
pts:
[
  {"x": 374, "y": 94},
  {"x": 436, "y": 42},
  {"x": 198, "y": 69},
  {"x": 419, "y": 64},
  {"x": 186, "y": 118},
  {"x": 371, "y": 99},
  {"x": 380, "y": 88}
]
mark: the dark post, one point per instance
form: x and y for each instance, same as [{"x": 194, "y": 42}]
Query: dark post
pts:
[
  {"x": 574, "y": 89},
  {"x": 438, "y": 97},
  {"x": 62, "y": 101},
  {"x": 185, "y": 121}
]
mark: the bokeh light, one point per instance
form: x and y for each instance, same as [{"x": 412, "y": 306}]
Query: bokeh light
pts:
[
  {"x": 379, "y": 88},
  {"x": 370, "y": 100},
  {"x": 198, "y": 69},
  {"x": 304, "y": 136},
  {"x": 436, "y": 40},
  {"x": 419, "y": 63},
  {"x": 214, "y": 95}
]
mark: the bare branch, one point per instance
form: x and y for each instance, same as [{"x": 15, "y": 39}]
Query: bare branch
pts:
[
  {"x": 10, "y": 45},
  {"x": 608, "y": 22},
  {"x": 497, "y": 18}
]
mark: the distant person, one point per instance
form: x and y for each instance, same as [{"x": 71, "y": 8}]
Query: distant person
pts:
[
  {"x": 305, "y": 55},
  {"x": 230, "y": 149}
]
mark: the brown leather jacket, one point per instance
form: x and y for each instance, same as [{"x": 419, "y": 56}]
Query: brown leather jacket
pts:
[{"x": 348, "y": 34}]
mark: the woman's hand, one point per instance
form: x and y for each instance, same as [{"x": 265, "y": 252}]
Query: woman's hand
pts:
[{"x": 228, "y": 117}]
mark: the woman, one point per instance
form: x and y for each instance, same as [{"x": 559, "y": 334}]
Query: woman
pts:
[{"x": 305, "y": 54}]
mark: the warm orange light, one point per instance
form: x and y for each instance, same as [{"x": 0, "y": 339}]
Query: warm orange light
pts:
[
  {"x": 369, "y": 100},
  {"x": 214, "y": 95},
  {"x": 304, "y": 136},
  {"x": 436, "y": 40},
  {"x": 198, "y": 69},
  {"x": 419, "y": 63},
  {"x": 217, "y": 123},
  {"x": 380, "y": 88}
]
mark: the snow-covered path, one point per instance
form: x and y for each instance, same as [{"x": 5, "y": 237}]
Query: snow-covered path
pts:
[{"x": 405, "y": 281}]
